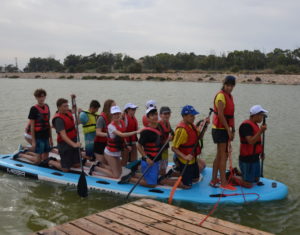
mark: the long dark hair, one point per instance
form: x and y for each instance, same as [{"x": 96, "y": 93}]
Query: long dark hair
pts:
[{"x": 106, "y": 108}]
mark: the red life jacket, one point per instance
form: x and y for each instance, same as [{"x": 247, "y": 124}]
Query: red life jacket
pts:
[
  {"x": 187, "y": 147},
  {"x": 101, "y": 139},
  {"x": 228, "y": 111},
  {"x": 28, "y": 128},
  {"x": 42, "y": 122},
  {"x": 69, "y": 125},
  {"x": 166, "y": 130},
  {"x": 145, "y": 121},
  {"x": 151, "y": 149},
  {"x": 132, "y": 125},
  {"x": 117, "y": 143},
  {"x": 247, "y": 149}
]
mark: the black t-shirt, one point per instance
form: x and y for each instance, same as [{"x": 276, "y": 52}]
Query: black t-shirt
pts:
[
  {"x": 148, "y": 136},
  {"x": 246, "y": 130},
  {"x": 34, "y": 114}
]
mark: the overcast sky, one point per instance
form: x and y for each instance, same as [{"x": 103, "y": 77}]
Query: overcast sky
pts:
[{"x": 57, "y": 28}]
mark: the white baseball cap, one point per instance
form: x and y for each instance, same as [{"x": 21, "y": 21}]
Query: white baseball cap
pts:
[
  {"x": 130, "y": 106},
  {"x": 150, "y": 109},
  {"x": 257, "y": 109},
  {"x": 150, "y": 103},
  {"x": 115, "y": 109}
]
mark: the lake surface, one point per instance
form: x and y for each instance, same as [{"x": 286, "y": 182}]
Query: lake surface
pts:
[{"x": 27, "y": 205}]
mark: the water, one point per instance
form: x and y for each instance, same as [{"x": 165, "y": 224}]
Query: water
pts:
[{"x": 28, "y": 205}]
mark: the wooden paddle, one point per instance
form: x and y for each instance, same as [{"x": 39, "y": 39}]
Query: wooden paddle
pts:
[
  {"x": 82, "y": 188},
  {"x": 175, "y": 186}
]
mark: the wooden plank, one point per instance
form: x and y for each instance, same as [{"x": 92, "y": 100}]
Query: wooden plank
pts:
[
  {"x": 107, "y": 223},
  {"x": 176, "y": 223},
  {"x": 92, "y": 227},
  {"x": 160, "y": 224},
  {"x": 194, "y": 218},
  {"x": 71, "y": 229},
  {"x": 131, "y": 223}
]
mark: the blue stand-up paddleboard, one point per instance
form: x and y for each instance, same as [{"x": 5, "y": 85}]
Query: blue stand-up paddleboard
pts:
[{"x": 201, "y": 192}]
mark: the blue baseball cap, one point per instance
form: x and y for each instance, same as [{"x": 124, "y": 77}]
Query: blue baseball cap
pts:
[{"x": 189, "y": 109}]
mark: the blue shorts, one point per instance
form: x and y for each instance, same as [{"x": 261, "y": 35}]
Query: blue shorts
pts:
[
  {"x": 250, "y": 171},
  {"x": 152, "y": 175},
  {"x": 89, "y": 143},
  {"x": 42, "y": 146}
]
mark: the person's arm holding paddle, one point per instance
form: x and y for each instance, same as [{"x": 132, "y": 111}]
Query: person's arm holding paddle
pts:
[
  {"x": 144, "y": 155},
  {"x": 255, "y": 138}
]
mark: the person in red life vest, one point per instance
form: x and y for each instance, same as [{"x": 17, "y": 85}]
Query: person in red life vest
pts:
[
  {"x": 101, "y": 130},
  {"x": 185, "y": 138},
  {"x": 130, "y": 153},
  {"x": 115, "y": 144},
  {"x": 39, "y": 129},
  {"x": 149, "y": 104},
  {"x": 67, "y": 143},
  {"x": 149, "y": 145},
  {"x": 167, "y": 131},
  {"x": 251, "y": 147},
  {"x": 223, "y": 131}
]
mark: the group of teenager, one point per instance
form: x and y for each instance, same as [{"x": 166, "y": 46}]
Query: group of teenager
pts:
[{"x": 112, "y": 141}]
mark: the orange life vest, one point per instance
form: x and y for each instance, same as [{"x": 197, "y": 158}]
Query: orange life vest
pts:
[
  {"x": 132, "y": 125},
  {"x": 69, "y": 125},
  {"x": 117, "y": 143},
  {"x": 100, "y": 138},
  {"x": 42, "y": 122},
  {"x": 228, "y": 111},
  {"x": 187, "y": 148},
  {"x": 151, "y": 149},
  {"x": 247, "y": 149}
]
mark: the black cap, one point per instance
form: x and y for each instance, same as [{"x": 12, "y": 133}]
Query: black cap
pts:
[
  {"x": 164, "y": 109},
  {"x": 229, "y": 80}
]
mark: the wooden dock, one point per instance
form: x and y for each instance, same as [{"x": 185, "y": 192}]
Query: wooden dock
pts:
[{"x": 147, "y": 216}]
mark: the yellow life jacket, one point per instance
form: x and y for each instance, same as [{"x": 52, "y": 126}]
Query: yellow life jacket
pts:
[{"x": 90, "y": 126}]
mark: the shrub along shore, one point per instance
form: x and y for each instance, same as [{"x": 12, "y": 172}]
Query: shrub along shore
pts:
[{"x": 259, "y": 78}]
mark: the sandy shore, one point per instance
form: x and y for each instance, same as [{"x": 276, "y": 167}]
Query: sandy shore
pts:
[{"x": 186, "y": 76}]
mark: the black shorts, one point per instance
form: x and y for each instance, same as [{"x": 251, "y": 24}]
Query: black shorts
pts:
[
  {"x": 99, "y": 147},
  {"x": 219, "y": 135},
  {"x": 69, "y": 157},
  {"x": 191, "y": 173}
]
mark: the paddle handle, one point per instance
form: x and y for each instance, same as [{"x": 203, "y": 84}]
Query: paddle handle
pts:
[
  {"x": 263, "y": 151},
  {"x": 77, "y": 128}
]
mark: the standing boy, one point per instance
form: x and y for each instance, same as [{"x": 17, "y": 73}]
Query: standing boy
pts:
[{"x": 40, "y": 128}]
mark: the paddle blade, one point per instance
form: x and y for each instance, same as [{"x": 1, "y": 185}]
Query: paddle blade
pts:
[
  {"x": 82, "y": 188},
  {"x": 174, "y": 189}
]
